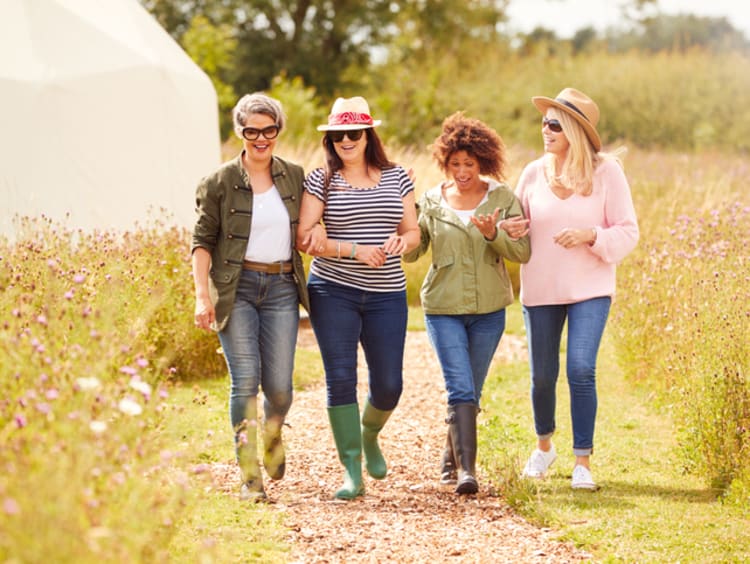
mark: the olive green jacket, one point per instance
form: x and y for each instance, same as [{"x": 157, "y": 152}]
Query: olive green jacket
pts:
[
  {"x": 467, "y": 274},
  {"x": 224, "y": 204}
]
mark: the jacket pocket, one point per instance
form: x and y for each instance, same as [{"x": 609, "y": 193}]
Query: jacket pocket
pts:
[{"x": 436, "y": 286}]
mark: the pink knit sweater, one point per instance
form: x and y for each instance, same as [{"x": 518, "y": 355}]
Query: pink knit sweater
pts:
[{"x": 556, "y": 275}]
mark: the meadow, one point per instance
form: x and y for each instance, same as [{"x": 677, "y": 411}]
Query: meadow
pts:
[{"x": 104, "y": 379}]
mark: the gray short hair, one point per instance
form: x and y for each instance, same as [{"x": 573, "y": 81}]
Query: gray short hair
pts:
[{"x": 257, "y": 103}]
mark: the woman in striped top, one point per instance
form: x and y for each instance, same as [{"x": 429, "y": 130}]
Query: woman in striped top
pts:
[{"x": 356, "y": 284}]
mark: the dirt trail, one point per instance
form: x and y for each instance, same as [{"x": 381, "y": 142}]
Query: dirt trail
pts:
[{"x": 408, "y": 517}]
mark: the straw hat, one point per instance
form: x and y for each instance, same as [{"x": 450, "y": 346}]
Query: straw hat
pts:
[
  {"x": 579, "y": 106},
  {"x": 349, "y": 113}
]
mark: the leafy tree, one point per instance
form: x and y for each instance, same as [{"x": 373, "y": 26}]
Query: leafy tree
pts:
[
  {"x": 210, "y": 47},
  {"x": 682, "y": 32}
]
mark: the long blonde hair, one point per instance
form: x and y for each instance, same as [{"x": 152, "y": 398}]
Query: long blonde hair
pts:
[{"x": 581, "y": 160}]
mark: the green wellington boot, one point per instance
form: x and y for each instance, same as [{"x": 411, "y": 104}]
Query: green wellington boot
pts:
[
  {"x": 348, "y": 437},
  {"x": 246, "y": 437},
  {"x": 373, "y": 420},
  {"x": 274, "y": 456}
]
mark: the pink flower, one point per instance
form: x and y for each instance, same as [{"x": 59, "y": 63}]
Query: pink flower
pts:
[
  {"x": 11, "y": 507},
  {"x": 43, "y": 407},
  {"x": 20, "y": 421}
]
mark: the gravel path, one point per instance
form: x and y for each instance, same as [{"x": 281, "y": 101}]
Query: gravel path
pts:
[{"x": 408, "y": 517}]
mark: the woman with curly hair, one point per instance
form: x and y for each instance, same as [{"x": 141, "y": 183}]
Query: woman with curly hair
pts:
[{"x": 467, "y": 288}]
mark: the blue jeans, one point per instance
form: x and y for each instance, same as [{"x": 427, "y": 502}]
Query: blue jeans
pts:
[
  {"x": 465, "y": 345},
  {"x": 544, "y": 325},
  {"x": 342, "y": 317},
  {"x": 259, "y": 341}
]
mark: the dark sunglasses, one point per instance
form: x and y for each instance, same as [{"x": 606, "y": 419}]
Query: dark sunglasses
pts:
[
  {"x": 352, "y": 134},
  {"x": 553, "y": 125},
  {"x": 252, "y": 133}
]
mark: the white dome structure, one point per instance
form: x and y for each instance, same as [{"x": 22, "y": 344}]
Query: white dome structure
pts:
[{"x": 104, "y": 120}]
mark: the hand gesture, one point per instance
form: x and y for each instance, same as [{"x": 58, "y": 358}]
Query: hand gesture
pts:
[{"x": 487, "y": 223}]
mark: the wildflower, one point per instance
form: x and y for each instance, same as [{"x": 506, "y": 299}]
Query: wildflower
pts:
[
  {"x": 68, "y": 295},
  {"x": 98, "y": 427},
  {"x": 140, "y": 386},
  {"x": 130, "y": 407},
  {"x": 90, "y": 383},
  {"x": 43, "y": 407},
  {"x": 79, "y": 278},
  {"x": 20, "y": 421},
  {"x": 51, "y": 394},
  {"x": 201, "y": 468},
  {"x": 128, "y": 370},
  {"x": 10, "y": 506},
  {"x": 142, "y": 362},
  {"x": 41, "y": 319}
]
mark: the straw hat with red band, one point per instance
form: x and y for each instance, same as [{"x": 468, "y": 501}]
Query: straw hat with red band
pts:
[
  {"x": 349, "y": 113},
  {"x": 576, "y": 104}
]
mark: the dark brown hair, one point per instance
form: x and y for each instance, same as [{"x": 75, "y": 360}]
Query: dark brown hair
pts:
[
  {"x": 375, "y": 156},
  {"x": 479, "y": 140}
]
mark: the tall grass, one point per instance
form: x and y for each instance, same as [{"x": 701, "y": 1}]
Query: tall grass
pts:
[
  {"x": 683, "y": 315},
  {"x": 94, "y": 327}
]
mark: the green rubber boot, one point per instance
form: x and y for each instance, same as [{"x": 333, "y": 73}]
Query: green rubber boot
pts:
[
  {"x": 373, "y": 420},
  {"x": 246, "y": 441},
  {"x": 348, "y": 437},
  {"x": 274, "y": 456}
]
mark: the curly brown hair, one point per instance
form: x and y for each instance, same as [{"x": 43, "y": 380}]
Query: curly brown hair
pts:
[{"x": 479, "y": 140}]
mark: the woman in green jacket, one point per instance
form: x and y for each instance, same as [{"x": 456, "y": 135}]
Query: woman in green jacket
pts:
[
  {"x": 249, "y": 281},
  {"x": 467, "y": 288}
]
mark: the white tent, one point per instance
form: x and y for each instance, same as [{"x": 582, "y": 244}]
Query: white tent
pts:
[{"x": 104, "y": 120}]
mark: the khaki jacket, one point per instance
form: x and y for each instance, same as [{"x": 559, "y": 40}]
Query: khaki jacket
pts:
[
  {"x": 224, "y": 204},
  {"x": 468, "y": 274}
]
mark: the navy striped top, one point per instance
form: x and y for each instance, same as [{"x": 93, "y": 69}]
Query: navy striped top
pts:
[{"x": 366, "y": 216}]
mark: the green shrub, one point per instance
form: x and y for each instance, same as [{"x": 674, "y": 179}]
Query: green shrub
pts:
[{"x": 683, "y": 324}]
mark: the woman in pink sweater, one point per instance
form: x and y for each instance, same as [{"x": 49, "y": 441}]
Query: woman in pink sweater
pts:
[{"x": 582, "y": 223}]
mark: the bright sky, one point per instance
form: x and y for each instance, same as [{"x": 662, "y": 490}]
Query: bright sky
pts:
[{"x": 566, "y": 17}]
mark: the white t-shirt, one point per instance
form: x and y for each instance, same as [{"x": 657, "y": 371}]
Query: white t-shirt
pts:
[{"x": 270, "y": 238}]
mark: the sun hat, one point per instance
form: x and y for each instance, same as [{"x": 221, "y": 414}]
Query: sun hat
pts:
[
  {"x": 349, "y": 113},
  {"x": 575, "y": 103}
]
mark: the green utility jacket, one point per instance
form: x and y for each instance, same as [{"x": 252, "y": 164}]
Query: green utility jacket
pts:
[
  {"x": 224, "y": 204},
  {"x": 468, "y": 274}
]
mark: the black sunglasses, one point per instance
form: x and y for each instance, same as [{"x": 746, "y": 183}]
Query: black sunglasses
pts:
[
  {"x": 252, "y": 133},
  {"x": 553, "y": 125},
  {"x": 352, "y": 134}
]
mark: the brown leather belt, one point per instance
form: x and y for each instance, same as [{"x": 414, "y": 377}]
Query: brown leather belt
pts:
[{"x": 267, "y": 267}]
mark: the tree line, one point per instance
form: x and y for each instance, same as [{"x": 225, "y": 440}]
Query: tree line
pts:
[{"x": 325, "y": 48}]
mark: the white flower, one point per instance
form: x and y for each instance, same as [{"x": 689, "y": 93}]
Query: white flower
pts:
[
  {"x": 130, "y": 407},
  {"x": 98, "y": 427},
  {"x": 140, "y": 386},
  {"x": 88, "y": 383}
]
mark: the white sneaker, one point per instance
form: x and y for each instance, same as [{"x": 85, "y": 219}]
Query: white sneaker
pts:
[
  {"x": 582, "y": 479},
  {"x": 539, "y": 462}
]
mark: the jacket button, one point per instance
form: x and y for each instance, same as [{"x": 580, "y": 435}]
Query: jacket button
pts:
[
  {"x": 232, "y": 210},
  {"x": 230, "y": 236},
  {"x": 236, "y": 187}
]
